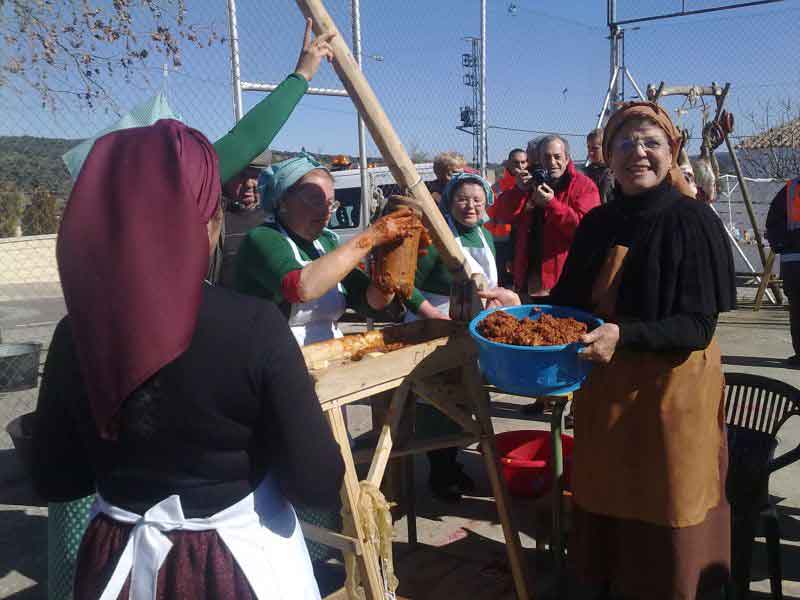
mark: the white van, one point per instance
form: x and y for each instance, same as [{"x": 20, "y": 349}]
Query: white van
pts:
[{"x": 351, "y": 217}]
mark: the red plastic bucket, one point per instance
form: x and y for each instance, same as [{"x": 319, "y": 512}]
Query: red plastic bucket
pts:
[{"x": 526, "y": 461}]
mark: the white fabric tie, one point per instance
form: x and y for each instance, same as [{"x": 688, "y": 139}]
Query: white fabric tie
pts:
[{"x": 148, "y": 547}]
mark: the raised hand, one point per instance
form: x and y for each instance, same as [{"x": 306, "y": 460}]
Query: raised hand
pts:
[{"x": 313, "y": 51}]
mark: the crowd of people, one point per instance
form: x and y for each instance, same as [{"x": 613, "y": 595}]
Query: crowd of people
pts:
[{"x": 175, "y": 389}]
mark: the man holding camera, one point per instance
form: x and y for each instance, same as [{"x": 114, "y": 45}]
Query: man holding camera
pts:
[{"x": 546, "y": 205}]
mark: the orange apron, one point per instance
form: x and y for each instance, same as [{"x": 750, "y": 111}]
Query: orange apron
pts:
[{"x": 648, "y": 428}]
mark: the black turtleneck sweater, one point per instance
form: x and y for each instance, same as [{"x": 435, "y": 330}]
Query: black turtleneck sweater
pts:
[{"x": 677, "y": 277}]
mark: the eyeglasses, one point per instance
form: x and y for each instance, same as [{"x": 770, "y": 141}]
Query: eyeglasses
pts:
[
  {"x": 317, "y": 204},
  {"x": 628, "y": 145},
  {"x": 465, "y": 202}
]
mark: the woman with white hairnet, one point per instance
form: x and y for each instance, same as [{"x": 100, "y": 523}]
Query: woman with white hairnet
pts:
[
  {"x": 296, "y": 262},
  {"x": 464, "y": 201}
]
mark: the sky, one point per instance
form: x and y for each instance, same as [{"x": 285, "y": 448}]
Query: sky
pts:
[{"x": 547, "y": 66}]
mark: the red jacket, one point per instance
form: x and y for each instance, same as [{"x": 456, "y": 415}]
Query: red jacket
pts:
[
  {"x": 561, "y": 217},
  {"x": 500, "y": 230}
]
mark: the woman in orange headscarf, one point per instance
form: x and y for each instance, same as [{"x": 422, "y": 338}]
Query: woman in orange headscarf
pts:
[{"x": 651, "y": 520}]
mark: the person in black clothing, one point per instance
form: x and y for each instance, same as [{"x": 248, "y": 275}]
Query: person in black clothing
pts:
[
  {"x": 783, "y": 234},
  {"x": 650, "y": 455},
  {"x": 242, "y": 205},
  {"x": 597, "y": 170},
  {"x": 187, "y": 407}
]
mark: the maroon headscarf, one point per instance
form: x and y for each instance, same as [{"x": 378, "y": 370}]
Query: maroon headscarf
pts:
[{"x": 132, "y": 254}]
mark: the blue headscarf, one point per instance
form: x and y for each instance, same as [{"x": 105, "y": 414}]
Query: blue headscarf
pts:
[
  {"x": 279, "y": 177},
  {"x": 460, "y": 178}
]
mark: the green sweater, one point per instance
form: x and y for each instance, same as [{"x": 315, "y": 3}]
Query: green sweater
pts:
[
  {"x": 265, "y": 258},
  {"x": 432, "y": 274},
  {"x": 255, "y": 132}
]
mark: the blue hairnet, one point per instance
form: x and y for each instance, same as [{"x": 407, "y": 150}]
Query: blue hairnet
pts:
[
  {"x": 279, "y": 177},
  {"x": 459, "y": 178}
]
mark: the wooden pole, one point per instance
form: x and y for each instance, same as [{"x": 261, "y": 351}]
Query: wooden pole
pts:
[{"x": 395, "y": 156}]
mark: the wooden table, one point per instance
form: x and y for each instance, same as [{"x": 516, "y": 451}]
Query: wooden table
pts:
[{"x": 441, "y": 368}]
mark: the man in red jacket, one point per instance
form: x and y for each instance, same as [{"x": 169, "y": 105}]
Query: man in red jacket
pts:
[{"x": 546, "y": 206}]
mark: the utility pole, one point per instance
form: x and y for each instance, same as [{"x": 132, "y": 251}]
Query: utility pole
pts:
[{"x": 471, "y": 114}]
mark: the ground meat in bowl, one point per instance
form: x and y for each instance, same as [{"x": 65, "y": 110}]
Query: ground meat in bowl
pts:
[{"x": 546, "y": 330}]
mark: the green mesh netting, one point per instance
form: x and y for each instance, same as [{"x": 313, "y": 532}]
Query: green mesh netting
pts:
[{"x": 66, "y": 524}]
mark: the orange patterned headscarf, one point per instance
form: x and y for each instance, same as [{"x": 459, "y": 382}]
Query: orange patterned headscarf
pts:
[{"x": 651, "y": 112}]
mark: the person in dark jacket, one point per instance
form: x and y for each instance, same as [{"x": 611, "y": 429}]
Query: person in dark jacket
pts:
[
  {"x": 242, "y": 205},
  {"x": 783, "y": 234},
  {"x": 597, "y": 170}
]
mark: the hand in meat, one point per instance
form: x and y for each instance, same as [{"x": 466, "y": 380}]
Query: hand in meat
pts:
[{"x": 397, "y": 225}]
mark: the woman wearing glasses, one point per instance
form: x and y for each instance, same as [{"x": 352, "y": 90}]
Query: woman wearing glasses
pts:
[
  {"x": 650, "y": 518},
  {"x": 293, "y": 260},
  {"x": 463, "y": 202}
]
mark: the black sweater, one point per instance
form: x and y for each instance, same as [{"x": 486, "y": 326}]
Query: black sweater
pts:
[
  {"x": 236, "y": 405},
  {"x": 677, "y": 277}
]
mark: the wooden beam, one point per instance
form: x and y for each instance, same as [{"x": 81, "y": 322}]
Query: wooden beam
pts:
[
  {"x": 384, "y": 448},
  {"x": 473, "y": 387},
  {"x": 330, "y": 538},
  {"x": 369, "y": 559},
  {"x": 443, "y": 397},
  {"x": 458, "y": 440},
  {"x": 387, "y": 141}
]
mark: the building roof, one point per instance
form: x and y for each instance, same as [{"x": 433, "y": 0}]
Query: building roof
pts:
[{"x": 786, "y": 135}]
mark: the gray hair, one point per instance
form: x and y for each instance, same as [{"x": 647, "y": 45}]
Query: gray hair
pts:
[{"x": 553, "y": 137}]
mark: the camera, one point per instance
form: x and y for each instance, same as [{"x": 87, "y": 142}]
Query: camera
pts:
[{"x": 540, "y": 176}]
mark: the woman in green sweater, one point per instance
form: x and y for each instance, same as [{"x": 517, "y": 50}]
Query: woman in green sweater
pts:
[
  {"x": 464, "y": 201},
  {"x": 296, "y": 262}
]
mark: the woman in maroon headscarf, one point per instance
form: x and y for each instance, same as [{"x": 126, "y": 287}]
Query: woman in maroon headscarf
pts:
[{"x": 187, "y": 407}]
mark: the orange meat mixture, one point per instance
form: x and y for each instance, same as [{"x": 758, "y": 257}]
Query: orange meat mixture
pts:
[{"x": 547, "y": 330}]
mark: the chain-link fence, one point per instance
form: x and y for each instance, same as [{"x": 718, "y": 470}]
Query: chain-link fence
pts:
[{"x": 546, "y": 72}]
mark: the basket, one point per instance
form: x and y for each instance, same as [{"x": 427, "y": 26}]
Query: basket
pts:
[
  {"x": 533, "y": 370},
  {"x": 525, "y": 461}
]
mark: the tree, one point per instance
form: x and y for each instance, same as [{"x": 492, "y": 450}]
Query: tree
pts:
[
  {"x": 775, "y": 152},
  {"x": 11, "y": 206},
  {"x": 417, "y": 154},
  {"x": 69, "y": 47},
  {"x": 41, "y": 215}
]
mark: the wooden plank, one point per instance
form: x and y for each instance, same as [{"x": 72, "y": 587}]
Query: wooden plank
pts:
[
  {"x": 369, "y": 561},
  {"x": 384, "y": 448},
  {"x": 473, "y": 388},
  {"x": 766, "y": 279},
  {"x": 456, "y": 440},
  {"x": 444, "y": 396},
  {"x": 330, "y": 538},
  {"x": 420, "y": 360}
]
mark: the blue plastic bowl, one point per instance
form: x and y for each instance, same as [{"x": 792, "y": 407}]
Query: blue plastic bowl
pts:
[{"x": 533, "y": 370}]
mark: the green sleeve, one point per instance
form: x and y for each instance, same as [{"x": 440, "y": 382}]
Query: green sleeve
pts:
[
  {"x": 255, "y": 132},
  {"x": 425, "y": 266},
  {"x": 263, "y": 260},
  {"x": 355, "y": 286}
]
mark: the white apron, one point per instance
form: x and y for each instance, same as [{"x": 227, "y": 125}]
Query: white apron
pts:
[
  {"x": 479, "y": 259},
  {"x": 261, "y": 531},
  {"x": 315, "y": 321}
]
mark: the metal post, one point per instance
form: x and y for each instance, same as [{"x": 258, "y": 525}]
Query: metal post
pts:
[
  {"x": 362, "y": 135},
  {"x": 236, "y": 76},
  {"x": 484, "y": 146},
  {"x": 366, "y": 207}
]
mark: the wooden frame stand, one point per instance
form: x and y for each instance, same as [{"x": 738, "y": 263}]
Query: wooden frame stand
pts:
[{"x": 442, "y": 371}]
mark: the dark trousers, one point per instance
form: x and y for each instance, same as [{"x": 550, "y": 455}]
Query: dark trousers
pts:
[
  {"x": 504, "y": 254},
  {"x": 790, "y": 273}
]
